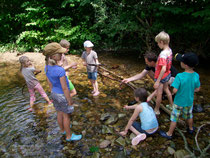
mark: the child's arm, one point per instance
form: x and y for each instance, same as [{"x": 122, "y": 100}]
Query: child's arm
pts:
[
  {"x": 84, "y": 62},
  {"x": 50, "y": 84},
  {"x": 197, "y": 89},
  {"x": 66, "y": 90},
  {"x": 174, "y": 91},
  {"x": 72, "y": 65},
  {"x": 136, "y": 112},
  {"x": 163, "y": 70},
  {"x": 130, "y": 107},
  {"x": 37, "y": 71},
  {"x": 97, "y": 63}
]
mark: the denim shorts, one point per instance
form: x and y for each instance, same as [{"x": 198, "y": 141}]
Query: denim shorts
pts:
[
  {"x": 92, "y": 75},
  {"x": 137, "y": 126},
  {"x": 166, "y": 79},
  {"x": 60, "y": 103},
  {"x": 186, "y": 112}
]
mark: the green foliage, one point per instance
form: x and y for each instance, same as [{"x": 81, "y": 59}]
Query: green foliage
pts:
[{"x": 110, "y": 24}]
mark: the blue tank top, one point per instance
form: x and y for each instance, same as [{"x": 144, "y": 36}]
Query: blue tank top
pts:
[{"x": 147, "y": 117}]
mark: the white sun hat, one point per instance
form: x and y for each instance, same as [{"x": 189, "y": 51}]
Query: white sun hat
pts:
[{"x": 88, "y": 44}]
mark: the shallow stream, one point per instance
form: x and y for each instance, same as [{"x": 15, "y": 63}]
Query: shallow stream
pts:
[{"x": 36, "y": 134}]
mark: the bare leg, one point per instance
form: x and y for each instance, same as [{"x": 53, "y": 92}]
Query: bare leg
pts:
[
  {"x": 159, "y": 98},
  {"x": 31, "y": 103},
  {"x": 60, "y": 120},
  {"x": 168, "y": 92},
  {"x": 149, "y": 98},
  {"x": 190, "y": 123},
  {"x": 66, "y": 123},
  {"x": 171, "y": 129},
  {"x": 136, "y": 132}
]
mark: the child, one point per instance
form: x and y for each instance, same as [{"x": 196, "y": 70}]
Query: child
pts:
[
  {"x": 33, "y": 84},
  {"x": 90, "y": 57},
  {"x": 64, "y": 63},
  {"x": 59, "y": 84},
  {"x": 185, "y": 84},
  {"x": 162, "y": 70},
  {"x": 149, "y": 123}
]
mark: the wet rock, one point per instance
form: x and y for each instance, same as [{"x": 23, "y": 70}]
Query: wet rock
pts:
[
  {"x": 120, "y": 154},
  {"x": 171, "y": 151},
  {"x": 121, "y": 115},
  {"x": 105, "y": 143},
  {"x": 197, "y": 108},
  {"x": 72, "y": 152},
  {"x": 112, "y": 119},
  {"x": 132, "y": 135},
  {"x": 95, "y": 155},
  {"x": 181, "y": 154},
  {"x": 121, "y": 141},
  {"x": 172, "y": 145},
  {"x": 75, "y": 123},
  {"x": 110, "y": 137},
  {"x": 105, "y": 116},
  {"x": 103, "y": 95},
  {"x": 107, "y": 130}
]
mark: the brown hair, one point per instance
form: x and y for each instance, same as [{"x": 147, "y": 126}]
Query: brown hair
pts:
[
  {"x": 64, "y": 43},
  {"x": 150, "y": 56},
  {"x": 22, "y": 61},
  {"x": 141, "y": 93}
]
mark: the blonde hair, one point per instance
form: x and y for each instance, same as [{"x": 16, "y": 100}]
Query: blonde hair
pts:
[
  {"x": 49, "y": 61},
  {"x": 22, "y": 61},
  {"x": 162, "y": 36},
  {"x": 64, "y": 43}
]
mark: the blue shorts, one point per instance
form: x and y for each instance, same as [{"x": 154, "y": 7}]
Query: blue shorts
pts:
[
  {"x": 166, "y": 79},
  {"x": 137, "y": 126},
  {"x": 92, "y": 75}
]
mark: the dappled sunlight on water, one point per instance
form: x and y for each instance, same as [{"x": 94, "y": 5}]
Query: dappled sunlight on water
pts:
[{"x": 36, "y": 134}]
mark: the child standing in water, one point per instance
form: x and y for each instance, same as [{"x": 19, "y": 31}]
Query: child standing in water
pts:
[
  {"x": 28, "y": 70},
  {"x": 64, "y": 63},
  {"x": 90, "y": 57},
  {"x": 149, "y": 123},
  {"x": 59, "y": 85}
]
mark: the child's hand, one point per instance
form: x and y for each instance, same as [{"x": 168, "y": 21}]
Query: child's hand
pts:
[
  {"x": 125, "y": 81},
  {"x": 123, "y": 133},
  {"x": 85, "y": 64},
  {"x": 156, "y": 85},
  {"x": 74, "y": 65},
  {"x": 126, "y": 107}
]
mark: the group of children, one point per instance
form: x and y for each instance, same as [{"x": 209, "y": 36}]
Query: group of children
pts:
[
  {"x": 62, "y": 89},
  {"x": 184, "y": 85}
]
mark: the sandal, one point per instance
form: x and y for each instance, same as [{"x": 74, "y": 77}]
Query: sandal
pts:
[{"x": 138, "y": 138}]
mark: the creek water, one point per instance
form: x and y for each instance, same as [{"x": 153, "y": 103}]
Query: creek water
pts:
[{"x": 36, "y": 134}]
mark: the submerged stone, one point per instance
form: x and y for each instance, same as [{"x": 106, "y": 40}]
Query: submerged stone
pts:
[
  {"x": 105, "y": 143},
  {"x": 121, "y": 141}
]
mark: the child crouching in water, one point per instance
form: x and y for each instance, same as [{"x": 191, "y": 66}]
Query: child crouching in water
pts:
[
  {"x": 28, "y": 70},
  {"x": 149, "y": 123}
]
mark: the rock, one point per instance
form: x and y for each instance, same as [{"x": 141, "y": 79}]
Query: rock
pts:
[
  {"x": 121, "y": 115},
  {"x": 105, "y": 143},
  {"x": 132, "y": 136},
  {"x": 197, "y": 108},
  {"x": 112, "y": 119},
  {"x": 105, "y": 116},
  {"x": 120, "y": 154},
  {"x": 107, "y": 130},
  {"x": 121, "y": 141},
  {"x": 72, "y": 152},
  {"x": 171, "y": 151},
  {"x": 75, "y": 123},
  {"x": 181, "y": 154},
  {"x": 95, "y": 155}
]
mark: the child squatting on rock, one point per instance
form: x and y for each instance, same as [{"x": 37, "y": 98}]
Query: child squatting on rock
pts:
[
  {"x": 149, "y": 123},
  {"x": 28, "y": 71}
]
